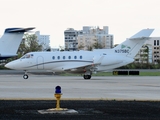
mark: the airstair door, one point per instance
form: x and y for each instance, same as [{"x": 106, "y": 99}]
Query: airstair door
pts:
[{"x": 40, "y": 62}]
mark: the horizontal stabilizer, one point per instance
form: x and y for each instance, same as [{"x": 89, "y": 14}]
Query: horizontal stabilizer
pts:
[
  {"x": 139, "y": 38},
  {"x": 145, "y": 33},
  {"x": 155, "y": 33},
  {"x": 15, "y": 30},
  {"x": 7, "y": 54}
]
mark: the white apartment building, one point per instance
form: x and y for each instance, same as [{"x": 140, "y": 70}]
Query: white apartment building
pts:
[
  {"x": 43, "y": 40},
  {"x": 86, "y": 38},
  {"x": 154, "y": 44},
  {"x": 94, "y": 36},
  {"x": 70, "y": 39},
  {"x": 150, "y": 52}
]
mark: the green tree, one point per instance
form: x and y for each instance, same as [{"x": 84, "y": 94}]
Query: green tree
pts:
[
  {"x": 29, "y": 44},
  {"x": 81, "y": 46},
  {"x": 97, "y": 44},
  {"x": 89, "y": 48}
]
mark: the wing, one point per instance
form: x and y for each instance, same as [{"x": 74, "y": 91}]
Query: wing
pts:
[
  {"x": 76, "y": 67},
  {"x": 87, "y": 67},
  {"x": 80, "y": 66},
  {"x": 82, "y": 69}
]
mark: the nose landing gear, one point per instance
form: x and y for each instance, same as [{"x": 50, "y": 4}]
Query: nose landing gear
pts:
[{"x": 25, "y": 76}]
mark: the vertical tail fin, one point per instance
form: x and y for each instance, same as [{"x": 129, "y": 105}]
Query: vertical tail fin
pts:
[
  {"x": 131, "y": 46},
  {"x": 10, "y": 41}
]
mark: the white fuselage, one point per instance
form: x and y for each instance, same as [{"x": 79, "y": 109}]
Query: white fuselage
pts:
[{"x": 63, "y": 61}]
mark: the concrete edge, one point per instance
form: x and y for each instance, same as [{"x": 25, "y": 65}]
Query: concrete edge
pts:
[{"x": 80, "y": 99}]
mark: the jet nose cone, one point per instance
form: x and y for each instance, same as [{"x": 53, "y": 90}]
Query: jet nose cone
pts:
[{"x": 9, "y": 65}]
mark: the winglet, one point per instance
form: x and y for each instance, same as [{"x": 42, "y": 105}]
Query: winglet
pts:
[
  {"x": 15, "y": 30},
  {"x": 97, "y": 59}
]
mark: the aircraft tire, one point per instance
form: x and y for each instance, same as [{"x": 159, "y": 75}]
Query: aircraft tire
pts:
[
  {"x": 25, "y": 76},
  {"x": 87, "y": 76}
]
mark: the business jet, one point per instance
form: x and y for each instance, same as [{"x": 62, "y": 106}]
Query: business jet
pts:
[
  {"x": 83, "y": 62},
  {"x": 10, "y": 41}
]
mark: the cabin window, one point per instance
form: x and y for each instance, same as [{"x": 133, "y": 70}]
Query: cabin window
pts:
[
  {"x": 154, "y": 42},
  {"x": 58, "y": 57},
  {"x": 80, "y": 57},
  {"x": 75, "y": 57},
  {"x": 69, "y": 57},
  {"x": 157, "y": 42},
  {"x": 53, "y": 57},
  {"x": 63, "y": 57}
]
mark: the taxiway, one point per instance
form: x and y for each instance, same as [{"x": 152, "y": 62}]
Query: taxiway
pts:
[{"x": 98, "y": 88}]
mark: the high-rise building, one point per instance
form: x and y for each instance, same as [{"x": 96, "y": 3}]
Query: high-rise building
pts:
[
  {"x": 150, "y": 52},
  {"x": 95, "y": 38},
  {"x": 89, "y": 37},
  {"x": 70, "y": 37},
  {"x": 155, "y": 46},
  {"x": 43, "y": 40}
]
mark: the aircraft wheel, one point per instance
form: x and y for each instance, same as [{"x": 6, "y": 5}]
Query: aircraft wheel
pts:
[
  {"x": 84, "y": 76},
  {"x": 25, "y": 76},
  {"x": 87, "y": 76}
]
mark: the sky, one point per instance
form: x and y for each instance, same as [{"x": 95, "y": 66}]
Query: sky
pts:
[{"x": 52, "y": 17}]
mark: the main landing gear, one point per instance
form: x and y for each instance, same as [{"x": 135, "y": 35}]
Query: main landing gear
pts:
[
  {"x": 25, "y": 76},
  {"x": 87, "y": 76}
]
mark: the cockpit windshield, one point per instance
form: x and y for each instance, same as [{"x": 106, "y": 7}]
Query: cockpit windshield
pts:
[{"x": 26, "y": 56}]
